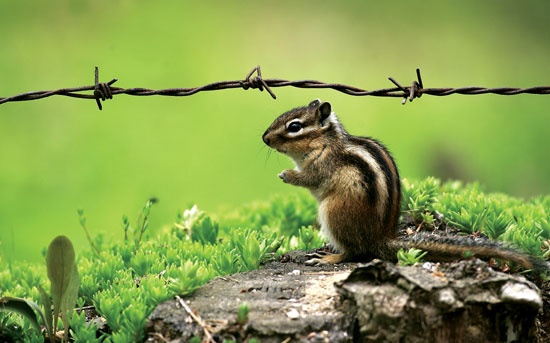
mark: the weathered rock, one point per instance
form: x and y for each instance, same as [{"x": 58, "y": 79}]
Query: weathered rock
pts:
[
  {"x": 289, "y": 302},
  {"x": 461, "y": 302},
  {"x": 377, "y": 302}
]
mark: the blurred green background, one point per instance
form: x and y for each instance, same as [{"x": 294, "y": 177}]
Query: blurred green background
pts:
[{"x": 60, "y": 154}]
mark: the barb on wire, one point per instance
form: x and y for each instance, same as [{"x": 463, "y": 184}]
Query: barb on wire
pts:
[
  {"x": 257, "y": 82},
  {"x": 103, "y": 91},
  {"x": 414, "y": 91}
]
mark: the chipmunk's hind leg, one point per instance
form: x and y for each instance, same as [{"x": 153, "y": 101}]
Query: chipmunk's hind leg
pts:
[{"x": 319, "y": 258}]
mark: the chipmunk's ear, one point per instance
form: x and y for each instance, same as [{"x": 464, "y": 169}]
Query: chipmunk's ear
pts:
[
  {"x": 324, "y": 111},
  {"x": 314, "y": 103}
]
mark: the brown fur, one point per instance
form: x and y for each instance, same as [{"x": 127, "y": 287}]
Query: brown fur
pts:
[{"x": 348, "y": 204}]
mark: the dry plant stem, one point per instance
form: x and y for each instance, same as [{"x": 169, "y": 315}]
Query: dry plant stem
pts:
[
  {"x": 197, "y": 319},
  {"x": 160, "y": 337}
]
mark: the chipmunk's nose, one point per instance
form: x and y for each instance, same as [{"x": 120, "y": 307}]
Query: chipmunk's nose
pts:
[{"x": 265, "y": 139}]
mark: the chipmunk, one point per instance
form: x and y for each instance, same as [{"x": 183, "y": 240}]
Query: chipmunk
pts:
[{"x": 356, "y": 183}]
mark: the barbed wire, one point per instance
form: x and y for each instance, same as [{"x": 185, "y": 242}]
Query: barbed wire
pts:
[{"x": 104, "y": 90}]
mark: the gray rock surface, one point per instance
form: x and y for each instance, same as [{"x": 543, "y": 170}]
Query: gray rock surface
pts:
[
  {"x": 375, "y": 302},
  {"x": 460, "y": 302}
]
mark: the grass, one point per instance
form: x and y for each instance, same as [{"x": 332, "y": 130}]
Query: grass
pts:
[{"x": 124, "y": 280}]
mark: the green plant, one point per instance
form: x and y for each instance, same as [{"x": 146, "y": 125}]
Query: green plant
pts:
[
  {"x": 25, "y": 308},
  {"x": 82, "y": 221},
  {"x": 126, "y": 280},
  {"x": 497, "y": 223},
  {"x": 63, "y": 275},
  {"x": 419, "y": 200},
  {"x": 197, "y": 225},
  {"x": 252, "y": 247},
  {"x": 82, "y": 331},
  {"x": 163, "y": 267},
  {"x": 526, "y": 239},
  {"x": 307, "y": 239},
  {"x": 13, "y": 331},
  {"x": 143, "y": 222},
  {"x": 126, "y": 304},
  {"x": 225, "y": 262},
  {"x": 188, "y": 277},
  {"x": 242, "y": 313},
  {"x": 410, "y": 257},
  {"x": 284, "y": 215}
]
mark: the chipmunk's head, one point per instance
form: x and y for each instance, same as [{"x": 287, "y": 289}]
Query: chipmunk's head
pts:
[{"x": 299, "y": 131}]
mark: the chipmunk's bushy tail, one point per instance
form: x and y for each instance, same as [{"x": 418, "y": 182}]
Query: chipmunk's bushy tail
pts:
[{"x": 445, "y": 249}]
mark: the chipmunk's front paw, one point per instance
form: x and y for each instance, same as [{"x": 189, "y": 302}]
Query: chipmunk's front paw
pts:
[
  {"x": 320, "y": 258},
  {"x": 315, "y": 259},
  {"x": 288, "y": 175}
]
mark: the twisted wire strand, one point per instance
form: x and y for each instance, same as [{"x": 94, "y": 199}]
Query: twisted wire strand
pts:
[{"x": 104, "y": 90}]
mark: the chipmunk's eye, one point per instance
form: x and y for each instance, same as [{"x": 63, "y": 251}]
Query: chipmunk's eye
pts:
[{"x": 294, "y": 127}]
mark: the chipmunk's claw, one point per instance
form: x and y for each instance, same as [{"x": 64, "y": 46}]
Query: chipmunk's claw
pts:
[
  {"x": 316, "y": 258},
  {"x": 324, "y": 257}
]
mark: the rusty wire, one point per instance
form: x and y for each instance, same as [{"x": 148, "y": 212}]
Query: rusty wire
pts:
[{"x": 104, "y": 90}]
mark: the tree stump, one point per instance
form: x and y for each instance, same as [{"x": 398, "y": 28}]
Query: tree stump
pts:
[
  {"x": 460, "y": 302},
  {"x": 375, "y": 302}
]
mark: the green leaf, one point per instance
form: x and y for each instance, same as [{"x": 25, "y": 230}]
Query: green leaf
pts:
[
  {"x": 26, "y": 308},
  {"x": 242, "y": 313},
  {"x": 205, "y": 230},
  {"x": 60, "y": 262},
  {"x": 69, "y": 299},
  {"x": 48, "y": 318},
  {"x": 410, "y": 257}
]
